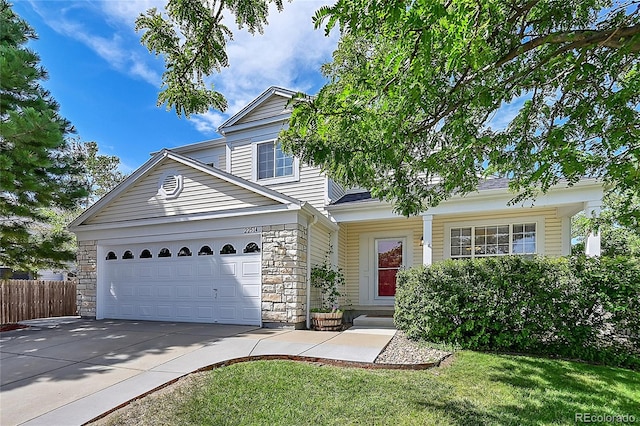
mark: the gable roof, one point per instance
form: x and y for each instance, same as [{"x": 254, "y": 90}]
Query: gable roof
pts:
[
  {"x": 264, "y": 97},
  {"x": 155, "y": 162}
]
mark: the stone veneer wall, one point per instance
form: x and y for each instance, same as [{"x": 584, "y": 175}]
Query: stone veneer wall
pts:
[
  {"x": 87, "y": 278},
  {"x": 284, "y": 275}
]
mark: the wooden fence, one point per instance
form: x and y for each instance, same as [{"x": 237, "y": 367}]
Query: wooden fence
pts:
[{"x": 29, "y": 299}]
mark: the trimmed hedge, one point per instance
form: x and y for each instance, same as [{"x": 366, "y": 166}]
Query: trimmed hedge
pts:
[{"x": 578, "y": 307}]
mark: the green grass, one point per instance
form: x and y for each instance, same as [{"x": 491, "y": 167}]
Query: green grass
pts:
[{"x": 476, "y": 389}]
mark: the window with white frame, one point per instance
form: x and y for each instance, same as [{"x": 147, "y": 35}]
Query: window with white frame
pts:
[
  {"x": 273, "y": 162},
  {"x": 493, "y": 240}
]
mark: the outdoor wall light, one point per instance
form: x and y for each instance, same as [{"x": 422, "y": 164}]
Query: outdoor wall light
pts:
[{"x": 422, "y": 242}]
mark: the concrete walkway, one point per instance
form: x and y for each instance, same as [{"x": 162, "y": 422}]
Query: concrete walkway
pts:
[{"x": 68, "y": 371}]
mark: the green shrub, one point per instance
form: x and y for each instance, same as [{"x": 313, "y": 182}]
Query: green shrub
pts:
[{"x": 571, "y": 307}]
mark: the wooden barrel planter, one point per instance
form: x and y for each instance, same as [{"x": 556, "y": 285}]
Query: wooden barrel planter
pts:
[{"x": 327, "y": 321}]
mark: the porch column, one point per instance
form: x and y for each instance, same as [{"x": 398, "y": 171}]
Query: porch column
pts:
[
  {"x": 427, "y": 231},
  {"x": 592, "y": 245}
]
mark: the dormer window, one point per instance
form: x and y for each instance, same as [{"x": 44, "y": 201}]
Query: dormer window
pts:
[{"x": 272, "y": 162}]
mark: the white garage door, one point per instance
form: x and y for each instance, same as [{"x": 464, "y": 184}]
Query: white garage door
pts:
[{"x": 205, "y": 280}]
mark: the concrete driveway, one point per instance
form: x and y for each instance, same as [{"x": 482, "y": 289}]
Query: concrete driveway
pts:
[{"x": 68, "y": 371}]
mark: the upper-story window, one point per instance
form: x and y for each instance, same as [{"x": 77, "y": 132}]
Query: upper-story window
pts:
[{"x": 272, "y": 162}]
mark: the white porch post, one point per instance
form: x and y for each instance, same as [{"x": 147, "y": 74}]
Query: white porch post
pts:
[
  {"x": 427, "y": 231},
  {"x": 592, "y": 245}
]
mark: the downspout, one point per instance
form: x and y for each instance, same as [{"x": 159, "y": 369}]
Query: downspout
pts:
[{"x": 315, "y": 219}]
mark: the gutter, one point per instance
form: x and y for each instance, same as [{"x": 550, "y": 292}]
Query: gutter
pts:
[{"x": 311, "y": 211}]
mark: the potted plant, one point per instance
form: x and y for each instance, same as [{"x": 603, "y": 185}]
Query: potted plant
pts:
[{"x": 327, "y": 279}]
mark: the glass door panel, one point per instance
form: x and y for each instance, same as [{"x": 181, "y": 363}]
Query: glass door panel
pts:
[{"x": 390, "y": 258}]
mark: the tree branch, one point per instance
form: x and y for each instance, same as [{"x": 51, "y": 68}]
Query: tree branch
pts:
[
  {"x": 219, "y": 13},
  {"x": 577, "y": 38}
]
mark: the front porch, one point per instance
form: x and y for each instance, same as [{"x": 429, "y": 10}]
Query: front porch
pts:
[{"x": 373, "y": 242}]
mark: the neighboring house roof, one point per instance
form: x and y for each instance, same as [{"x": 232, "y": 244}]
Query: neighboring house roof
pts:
[
  {"x": 183, "y": 149},
  {"x": 234, "y": 122}
]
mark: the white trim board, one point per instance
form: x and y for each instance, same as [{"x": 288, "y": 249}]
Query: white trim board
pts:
[
  {"x": 295, "y": 177},
  {"x": 367, "y": 265}
]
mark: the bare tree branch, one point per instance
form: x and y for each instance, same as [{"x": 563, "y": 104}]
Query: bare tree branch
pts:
[{"x": 578, "y": 38}]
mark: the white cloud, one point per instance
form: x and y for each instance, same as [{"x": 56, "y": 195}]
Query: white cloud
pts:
[
  {"x": 126, "y": 168},
  {"x": 208, "y": 122},
  {"x": 127, "y": 11},
  {"x": 288, "y": 54},
  {"x": 141, "y": 69},
  {"x": 115, "y": 42},
  {"x": 109, "y": 49}
]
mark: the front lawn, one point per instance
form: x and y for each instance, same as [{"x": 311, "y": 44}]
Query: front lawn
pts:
[{"x": 475, "y": 389}]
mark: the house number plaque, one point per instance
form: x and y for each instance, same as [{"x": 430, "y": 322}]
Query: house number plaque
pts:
[{"x": 251, "y": 230}]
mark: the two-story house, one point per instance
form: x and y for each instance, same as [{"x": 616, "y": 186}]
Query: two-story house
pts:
[{"x": 226, "y": 231}]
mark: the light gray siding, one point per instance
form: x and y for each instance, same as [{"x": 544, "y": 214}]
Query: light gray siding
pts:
[
  {"x": 320, "y": 246},
  {"x": 201, "y": 193},
  {"x": 342, "y": 247},
  {"x": 270, "y": 108},
  {"x": 311, "y": 187},
  {"x": 209, "y": 155},
  {"x": 241, "y": 159}
]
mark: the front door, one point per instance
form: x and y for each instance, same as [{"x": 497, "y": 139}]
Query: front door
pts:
[{"x": 389, "y": 259}]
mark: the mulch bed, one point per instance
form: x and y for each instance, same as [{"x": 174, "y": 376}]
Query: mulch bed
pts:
[{"x": 11, "y": 327}]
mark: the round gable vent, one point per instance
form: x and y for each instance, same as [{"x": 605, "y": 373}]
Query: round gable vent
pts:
[{"x": 170, "y": 185}]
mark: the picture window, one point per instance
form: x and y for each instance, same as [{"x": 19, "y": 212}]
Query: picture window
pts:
[{"x": 493, "y": 240}]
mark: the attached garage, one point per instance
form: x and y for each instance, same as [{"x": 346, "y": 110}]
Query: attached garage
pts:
[
  {"x": 182, "y": 241},
  {"x": 204, "y": 280}
]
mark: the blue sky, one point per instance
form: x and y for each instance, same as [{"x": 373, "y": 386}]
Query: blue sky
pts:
[{"x": 107, "y": 83}]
